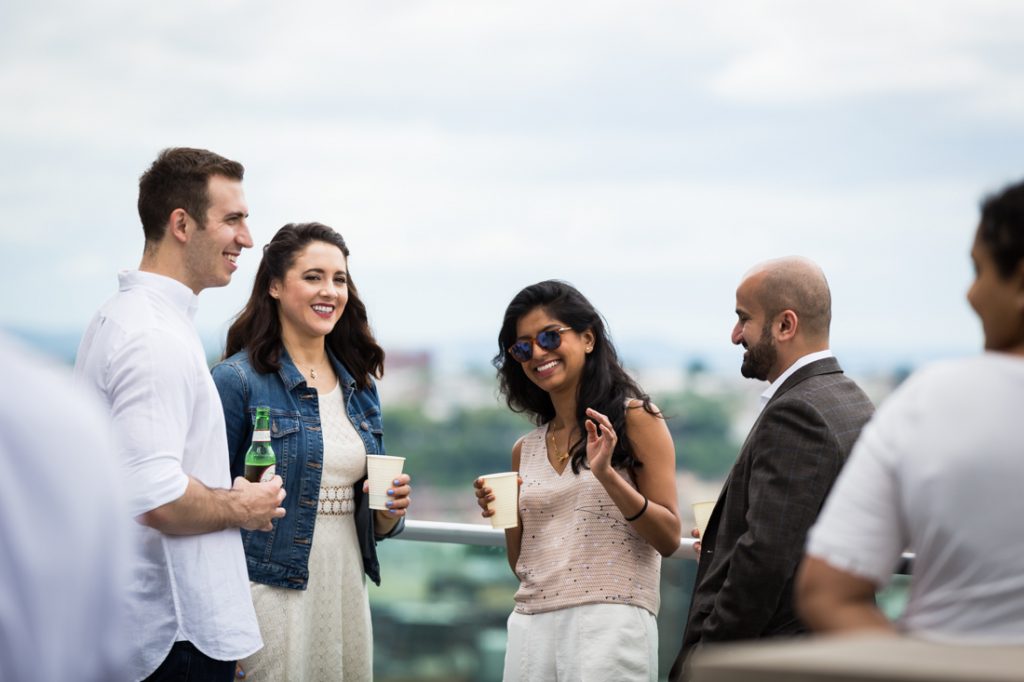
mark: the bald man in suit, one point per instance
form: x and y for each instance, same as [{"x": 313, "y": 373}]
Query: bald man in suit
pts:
[{"x": 811, "y": 415}]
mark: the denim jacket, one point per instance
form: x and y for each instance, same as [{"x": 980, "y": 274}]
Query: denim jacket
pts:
[{"x": 280, "y": 557}]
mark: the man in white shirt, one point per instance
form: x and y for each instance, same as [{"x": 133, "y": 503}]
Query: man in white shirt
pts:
[
  {"x": 63, "y": 528},
  {"x": 811, "y": 416},
  {"x": 939, "y": 471},
  {"x": 190, "y": 609}
]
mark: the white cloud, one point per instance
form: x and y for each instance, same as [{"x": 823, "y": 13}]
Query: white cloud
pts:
[
  {"x": 650, "y": 153},
  {"x": 801, "y": 51}
]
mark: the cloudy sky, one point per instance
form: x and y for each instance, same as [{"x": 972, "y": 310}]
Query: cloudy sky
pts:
[{"x": 648, "y": 152}]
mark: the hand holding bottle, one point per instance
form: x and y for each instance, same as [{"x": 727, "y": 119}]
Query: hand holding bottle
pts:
[{"x": 259, "y": 503}]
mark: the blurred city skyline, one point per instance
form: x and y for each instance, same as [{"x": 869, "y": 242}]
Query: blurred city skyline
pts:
[{"x": 649, "y": 153}]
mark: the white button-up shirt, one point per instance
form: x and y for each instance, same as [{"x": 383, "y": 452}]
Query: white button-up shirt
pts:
[{"x": 142, "y": 355}]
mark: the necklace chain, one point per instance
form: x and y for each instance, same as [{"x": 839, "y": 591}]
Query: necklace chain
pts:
[
  {"x": 312, "y": 373},
  {"x": 561, "y": 457}
]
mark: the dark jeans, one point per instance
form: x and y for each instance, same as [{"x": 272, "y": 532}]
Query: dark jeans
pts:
[{"x": 186, "y": 663}]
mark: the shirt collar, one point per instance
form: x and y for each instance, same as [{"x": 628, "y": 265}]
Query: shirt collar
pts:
[
  {"x": 176, "y": 293},
  {"x": 802, "y": 362}
]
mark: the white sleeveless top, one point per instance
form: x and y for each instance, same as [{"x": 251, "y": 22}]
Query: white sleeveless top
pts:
[{"x": 577, "y": 547}]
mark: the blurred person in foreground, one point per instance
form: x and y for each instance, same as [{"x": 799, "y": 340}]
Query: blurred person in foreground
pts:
[
  {"x": 63, "y": 528},
  {"x": 190, "y": 612},
  {"x": 939, "y": 471},
  {"x": 598, "y": 507},
  {"x": 810, "y": 417},
  {"x": 302, "y": 346}
]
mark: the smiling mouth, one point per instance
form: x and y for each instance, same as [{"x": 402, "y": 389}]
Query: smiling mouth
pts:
[
  {"x": 323, "y": 310},
  {"x": 232, "y": 258},
  {"x": 546, "y": 366}
]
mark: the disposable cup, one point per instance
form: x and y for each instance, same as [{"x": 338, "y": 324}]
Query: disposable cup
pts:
[
  {"x": 505, "y": 488},
  {"x": 702, "y": 513},
  {"x": 382, "y": 470}
]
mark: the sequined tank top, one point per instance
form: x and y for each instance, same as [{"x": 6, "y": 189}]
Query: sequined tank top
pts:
[{"x": 576, "y": 546}]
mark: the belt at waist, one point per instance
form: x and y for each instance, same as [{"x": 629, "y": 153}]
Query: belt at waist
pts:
[{"x": 335, "y": 500}]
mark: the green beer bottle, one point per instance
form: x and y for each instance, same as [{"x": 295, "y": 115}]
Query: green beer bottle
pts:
[{"x": 260, "y": 460}]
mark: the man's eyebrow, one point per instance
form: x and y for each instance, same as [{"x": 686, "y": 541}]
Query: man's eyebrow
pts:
[{"x": 235, "y": 215}]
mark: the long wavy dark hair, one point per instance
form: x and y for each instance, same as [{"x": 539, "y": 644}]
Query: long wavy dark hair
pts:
[
  {"x": 604, "y": 385},
  {"x": 258, "y": 327}
]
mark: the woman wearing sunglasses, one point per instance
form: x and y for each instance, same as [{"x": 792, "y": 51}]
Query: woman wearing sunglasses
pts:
[{"x": 597, "y": 506}]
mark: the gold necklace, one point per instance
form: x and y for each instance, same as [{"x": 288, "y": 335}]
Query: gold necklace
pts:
[
  {"x": 554, "y": 446},
  {"x": 312, "y": 373}
]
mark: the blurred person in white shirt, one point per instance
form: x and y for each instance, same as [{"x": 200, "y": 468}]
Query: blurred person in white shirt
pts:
[
  {"x": 939, "y": 471},
  {"x": 63, "y": 528}
]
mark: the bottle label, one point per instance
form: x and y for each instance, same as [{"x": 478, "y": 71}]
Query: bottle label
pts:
[
  {"x": 258, "y": 473},
  {"x": 261, "y": 436}
]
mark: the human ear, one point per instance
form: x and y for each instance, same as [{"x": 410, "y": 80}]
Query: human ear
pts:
[
  {"x": 588, "y": 338},
  {"x": 177, "y": 224},
  {"x": 787, "y": 323},
  {"x": 275, "y": 289}
]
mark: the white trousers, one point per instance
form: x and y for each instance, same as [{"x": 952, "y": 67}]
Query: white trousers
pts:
[{"x": 590, "y": 643}]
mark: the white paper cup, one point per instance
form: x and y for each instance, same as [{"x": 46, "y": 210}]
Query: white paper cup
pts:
[
  {"x": 702, "y": 514},
  {"x": 505, "y": 488},
  {"x": 382, "y": 470}
]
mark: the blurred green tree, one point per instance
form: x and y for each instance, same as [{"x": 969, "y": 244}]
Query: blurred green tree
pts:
[{"x": 470, "y": 442}]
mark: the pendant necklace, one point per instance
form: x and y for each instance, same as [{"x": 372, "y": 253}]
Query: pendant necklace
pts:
[{"x": 561, "y": 457}]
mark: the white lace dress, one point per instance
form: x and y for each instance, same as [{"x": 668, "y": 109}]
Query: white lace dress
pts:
[{"x": 323, "y": 632}]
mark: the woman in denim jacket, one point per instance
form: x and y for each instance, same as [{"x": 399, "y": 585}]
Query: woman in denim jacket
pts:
[{"x": 303, "y": 347}]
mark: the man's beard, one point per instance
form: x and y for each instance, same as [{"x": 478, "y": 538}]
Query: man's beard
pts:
[{"x": 761, "y": 357}]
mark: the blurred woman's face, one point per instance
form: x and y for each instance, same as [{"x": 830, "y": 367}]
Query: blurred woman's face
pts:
[
  {"x": 312, "y": 296},
  {"x": 998, "y": 301}
]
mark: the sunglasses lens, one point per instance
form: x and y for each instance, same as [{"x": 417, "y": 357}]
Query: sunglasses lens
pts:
[
  {"x": 521, "y": 350},
  {"x": 549, "y": 340}
]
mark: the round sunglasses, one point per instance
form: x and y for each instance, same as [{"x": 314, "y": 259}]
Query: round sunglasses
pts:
[{"x": 549, "y": 339}]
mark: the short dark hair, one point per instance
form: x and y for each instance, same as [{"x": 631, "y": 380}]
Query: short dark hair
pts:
[
  {"x": 258, "y": 327},
  {"x": 1002, "y": 228},
  {"x": 604, "y": 385},
  {"x": 178, "y": 179}
]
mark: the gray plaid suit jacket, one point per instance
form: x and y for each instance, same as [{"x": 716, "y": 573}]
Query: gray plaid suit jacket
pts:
[{"x": 755, "y": 537}]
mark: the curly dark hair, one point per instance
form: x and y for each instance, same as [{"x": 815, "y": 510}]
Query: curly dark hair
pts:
[
  {"x": 258, "y": 327},
  {"x": 604, "y": 385},
  {"x": 1002, "y": 227}
]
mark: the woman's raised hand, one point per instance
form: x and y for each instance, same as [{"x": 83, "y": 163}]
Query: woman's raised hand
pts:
[{"x": 601, "y": 441}]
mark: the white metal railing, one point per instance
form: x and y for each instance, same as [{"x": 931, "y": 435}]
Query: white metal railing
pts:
[{"x": 477, "y": 534}]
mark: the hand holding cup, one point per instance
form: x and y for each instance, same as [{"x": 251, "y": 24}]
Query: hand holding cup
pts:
[
  {"x": 498, "y": 496},
  {"x": 382, "y": 472}
]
